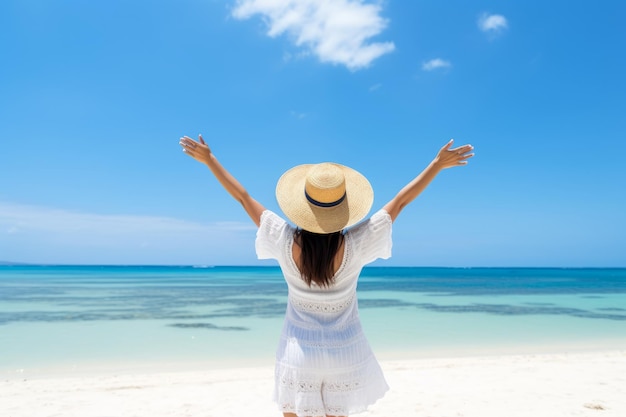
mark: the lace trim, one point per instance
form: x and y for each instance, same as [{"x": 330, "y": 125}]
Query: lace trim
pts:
[
  {"x": 322, "y": 307},
  {"x": 300, "y": 385},
  {"x": 346, "y": 386},
  {"x": 304, "y": 386},
  {"x": 316, "y": 386},
  {"x": 314, "y": 411},
  {"x": 336, "y": 411},
  {"x": 311, "y": 386},
  {"x": 306, "y": 411}
]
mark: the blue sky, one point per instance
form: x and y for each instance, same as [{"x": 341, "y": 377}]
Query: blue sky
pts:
[{"x": 95, "y": 95}]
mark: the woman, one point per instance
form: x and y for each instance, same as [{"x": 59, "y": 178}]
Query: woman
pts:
[{"x": 324, "y": 364}]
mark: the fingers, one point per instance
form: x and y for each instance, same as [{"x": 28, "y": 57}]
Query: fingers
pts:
[
  {"x": 463, "y": 158},
  {"x": 186, "y": 140},
  {"x": 447, "y": 145},
  {"x": 189, "y": 145},
  {"x": 197, "y": 150},
  {"x": 462, "y": 149}
]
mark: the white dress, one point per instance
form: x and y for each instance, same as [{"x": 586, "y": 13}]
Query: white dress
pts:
[{"x": 324, "y": 364}]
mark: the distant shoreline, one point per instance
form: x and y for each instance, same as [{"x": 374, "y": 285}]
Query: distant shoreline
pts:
[{"x": 200, "y": 266}]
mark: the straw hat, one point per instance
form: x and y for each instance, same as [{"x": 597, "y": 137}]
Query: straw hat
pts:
[{"x": 324, "y": 198}]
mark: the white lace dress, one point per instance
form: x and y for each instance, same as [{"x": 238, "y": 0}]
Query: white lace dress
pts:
[{"x": 324, "y": 364}]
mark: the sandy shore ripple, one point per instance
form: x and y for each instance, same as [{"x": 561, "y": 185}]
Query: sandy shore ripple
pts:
[{"x": 589, "y": 384}]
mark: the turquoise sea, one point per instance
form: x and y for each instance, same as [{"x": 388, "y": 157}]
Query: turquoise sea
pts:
[{"x": 78, "y": 317}]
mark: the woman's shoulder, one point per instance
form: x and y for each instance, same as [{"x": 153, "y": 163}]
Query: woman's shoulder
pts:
[
  {"x": 379, "y": 219},
  {"x": 268, "y": 216},
  {"x": 272, "y": 235},
  {"x": 273, "y": 224},
  {"x": 371, "y": 239},
  {"x": 381, "y": 216}
]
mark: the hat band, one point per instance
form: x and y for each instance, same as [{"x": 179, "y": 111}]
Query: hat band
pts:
[{"x": 321, "y": 204}]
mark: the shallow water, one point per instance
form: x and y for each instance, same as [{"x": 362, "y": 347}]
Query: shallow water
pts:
[{"x": 75, "y": 315}]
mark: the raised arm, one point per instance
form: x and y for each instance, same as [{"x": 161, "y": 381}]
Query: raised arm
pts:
[
  {"x": 446, "y": 158},
  {"x": 202, "y": 153}
]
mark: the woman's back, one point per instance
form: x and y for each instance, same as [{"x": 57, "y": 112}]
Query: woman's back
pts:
[
  {"x": 318, "y": 256},
  {"x": 317, "y": 303}
]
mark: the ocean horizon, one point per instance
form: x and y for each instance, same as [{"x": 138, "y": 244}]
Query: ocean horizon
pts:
[{"x": 82, "y": 316}]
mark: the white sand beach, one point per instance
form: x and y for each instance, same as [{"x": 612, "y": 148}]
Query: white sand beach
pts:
[{"x": 542, "y": 385}]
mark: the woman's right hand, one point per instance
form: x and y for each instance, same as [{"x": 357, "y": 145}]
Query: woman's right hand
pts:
[
  {"x": 447, "y": 158},
  {"x": 199, "y": 150}
]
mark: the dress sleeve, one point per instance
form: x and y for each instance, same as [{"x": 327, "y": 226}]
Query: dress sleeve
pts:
[
  {"x": 271, "y": 236},
  {"x": 372, "y": 238}
]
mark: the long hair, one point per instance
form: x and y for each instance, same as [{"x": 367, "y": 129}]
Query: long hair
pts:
[{"x": 317, "y": 256}]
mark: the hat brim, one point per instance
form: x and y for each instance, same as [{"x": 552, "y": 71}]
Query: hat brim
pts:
[{"x": 293, "y": 202}]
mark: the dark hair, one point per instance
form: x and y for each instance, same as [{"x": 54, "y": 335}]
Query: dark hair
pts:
[{"x": 317, "y": 256}]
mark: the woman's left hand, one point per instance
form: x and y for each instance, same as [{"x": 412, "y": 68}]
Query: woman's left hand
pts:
[
  {"x": 450, "y": 157},
  {"x": 199, "y": 150}
]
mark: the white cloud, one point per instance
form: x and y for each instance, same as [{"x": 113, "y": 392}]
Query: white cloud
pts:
[
  {"x": 375, "y": 87},
  {"x": 20, "y": 218},
  {"x": 436, "y": 63},
  {"x": 288, "y": 56},
  {"x": 335, "y": 31},
  {"x": 298, "y": 115},
  {"x": 492, "y": 23},
  {"x": 44, "y": 234}
]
